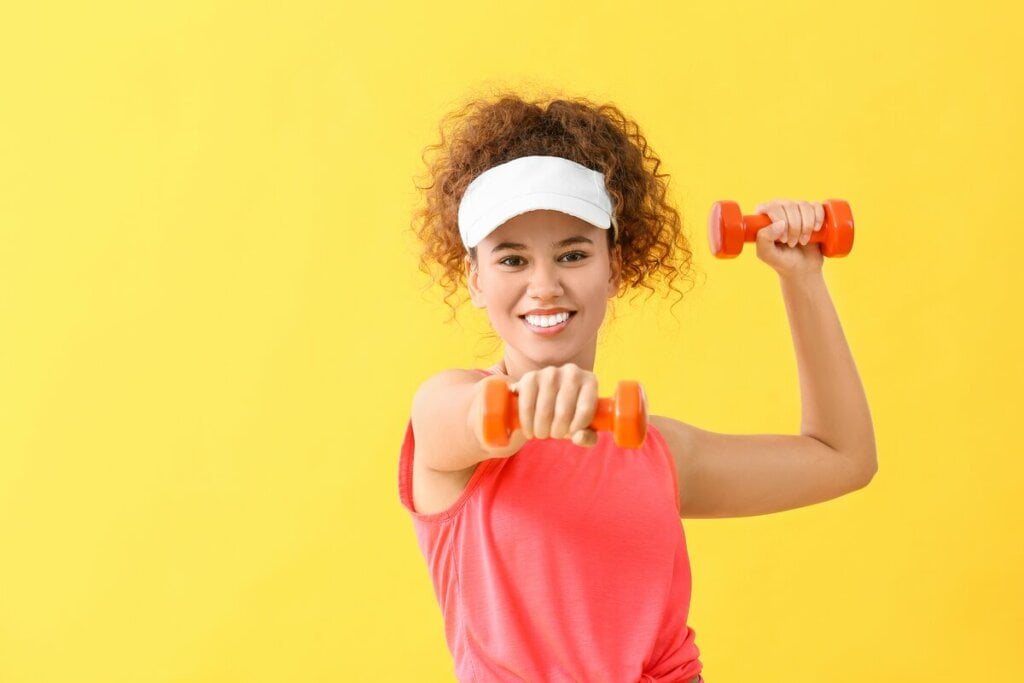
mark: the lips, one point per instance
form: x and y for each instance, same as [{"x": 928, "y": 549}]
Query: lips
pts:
[{"x": 548, "y": 331}]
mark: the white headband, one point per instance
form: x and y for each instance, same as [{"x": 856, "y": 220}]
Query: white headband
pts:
[{"x": 530, "y": 183}]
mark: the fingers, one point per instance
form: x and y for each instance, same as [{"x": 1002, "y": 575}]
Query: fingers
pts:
[
  {"x": 585, "y": 437},
  {"x": 777, "y": 231},
  {"x": 565, "y": 407},
  {"x": 557, "y": 402},
  {"x": 547, "y": 396},
  {"x": 793, "y": 222},
  {"x": 806, "y": 221},
  {"x": 819, "y": 215},
  {"x": 585, "y": 409},
  {"x": 526, "y": 389}
]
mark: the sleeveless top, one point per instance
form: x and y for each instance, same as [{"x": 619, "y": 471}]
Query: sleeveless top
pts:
[{"x": 562, "y": 563}]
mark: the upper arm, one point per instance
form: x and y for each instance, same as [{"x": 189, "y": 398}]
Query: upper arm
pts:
[
  {"x": 441, "y": 441},
  {"x": 440, "y": 418},
  {"x": 740, "y": 475}
]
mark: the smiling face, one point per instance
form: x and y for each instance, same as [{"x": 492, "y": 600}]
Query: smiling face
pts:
[{"x": 542, "y": 260}]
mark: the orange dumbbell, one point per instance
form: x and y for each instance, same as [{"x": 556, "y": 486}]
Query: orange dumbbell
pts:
[
  {"x": 625, "y": 415},
  {"x": 728, "y": 229}
]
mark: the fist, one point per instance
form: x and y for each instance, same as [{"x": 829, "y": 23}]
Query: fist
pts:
[
  {"x": 558, "y": 402},
  {"x": 784, "y": 245}
]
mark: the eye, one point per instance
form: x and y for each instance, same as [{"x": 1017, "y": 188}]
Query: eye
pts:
[{"x": 581, "y": 254}]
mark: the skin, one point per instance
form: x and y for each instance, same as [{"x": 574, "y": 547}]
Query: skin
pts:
[
  {"x": 553, "y": 376},
  {"x": 793, "y": 222},
  {"x": 720, "y": 475}
]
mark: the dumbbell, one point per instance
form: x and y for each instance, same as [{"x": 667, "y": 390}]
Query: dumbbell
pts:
[
  {"x": 728, "y": 229},
  {"x": 625, "y": 414}
]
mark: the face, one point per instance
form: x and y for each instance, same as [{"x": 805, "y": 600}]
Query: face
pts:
[{"x": 545, "y": 260}]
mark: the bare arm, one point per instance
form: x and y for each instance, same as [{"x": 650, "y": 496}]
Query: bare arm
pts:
[
  {"x": 446, "y": 421},
  {"x": 737, "y": 475},
  {"x": 834, "y": 409}
]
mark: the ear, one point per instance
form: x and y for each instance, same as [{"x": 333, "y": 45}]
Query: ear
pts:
[
  {"x": 473, "y": 282},
  {"x": 615, "y": 261}
]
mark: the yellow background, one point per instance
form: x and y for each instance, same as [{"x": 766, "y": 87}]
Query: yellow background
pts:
[{"x": 212, "y": 324}]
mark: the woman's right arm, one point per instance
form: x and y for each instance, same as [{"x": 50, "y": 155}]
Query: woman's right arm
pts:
[{"x": 447, "y": 419}]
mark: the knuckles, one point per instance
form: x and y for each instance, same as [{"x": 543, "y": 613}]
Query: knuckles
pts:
[
  {"x": 782, "y": 209},
  {"x": 557, "y": 418}
]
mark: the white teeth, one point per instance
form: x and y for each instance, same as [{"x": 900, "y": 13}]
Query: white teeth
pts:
[{"x": 547, "y": 320}]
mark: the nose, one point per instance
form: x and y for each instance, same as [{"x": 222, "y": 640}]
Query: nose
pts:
[{"x": 545, "y": 283}]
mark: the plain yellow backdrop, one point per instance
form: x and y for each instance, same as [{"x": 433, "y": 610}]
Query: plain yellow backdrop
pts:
[{"x": 212, "y": 324}]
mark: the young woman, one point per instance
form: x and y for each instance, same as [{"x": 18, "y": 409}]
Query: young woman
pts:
[{"x": 561, "y": 556}]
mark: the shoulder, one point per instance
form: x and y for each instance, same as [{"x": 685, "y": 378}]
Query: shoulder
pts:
[
  {"x": 452, "y": 376},
  {"x": 680, "y": 439},
  {"x": 441, "y": 382},
  {"x": 677, "y": 435}
]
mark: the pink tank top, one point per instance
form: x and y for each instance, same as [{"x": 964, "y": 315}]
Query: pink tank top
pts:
[{"x": 563, "y": 563}]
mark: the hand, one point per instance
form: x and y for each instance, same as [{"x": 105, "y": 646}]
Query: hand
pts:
[
  {"x": 792, "y": 225},
  {"x": 558, "y": 402}
]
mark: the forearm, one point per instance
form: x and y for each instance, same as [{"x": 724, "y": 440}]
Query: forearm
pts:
[{"x": 834, "y": 409}]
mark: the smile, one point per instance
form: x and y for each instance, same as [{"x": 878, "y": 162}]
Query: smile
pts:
[{"x": 548, "y": 324}]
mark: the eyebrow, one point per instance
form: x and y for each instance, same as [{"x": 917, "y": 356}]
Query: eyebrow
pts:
[{"x": 576, "y": 239}]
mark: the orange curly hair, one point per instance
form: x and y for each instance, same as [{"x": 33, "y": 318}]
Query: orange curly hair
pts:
[{"x": 484, "y": 133}]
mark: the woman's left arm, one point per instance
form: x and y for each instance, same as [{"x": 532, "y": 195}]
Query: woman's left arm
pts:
[
  {"x": 737, "y": 475},
  {"x": 833, "y": 407}
]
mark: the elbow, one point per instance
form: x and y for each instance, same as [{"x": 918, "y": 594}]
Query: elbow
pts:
[
  {"x": 867, "y": 471},
  {"x": 865, "y": 459}
]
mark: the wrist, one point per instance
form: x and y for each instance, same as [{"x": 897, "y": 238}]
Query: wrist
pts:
[{"x": 799, "y": 279}]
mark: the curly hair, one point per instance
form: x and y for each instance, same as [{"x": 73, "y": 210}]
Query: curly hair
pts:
[{"x": 486, "y": 132}]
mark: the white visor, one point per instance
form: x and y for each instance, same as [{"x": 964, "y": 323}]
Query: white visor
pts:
[{"x": 530, "y": 183}]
